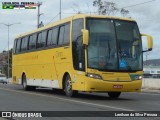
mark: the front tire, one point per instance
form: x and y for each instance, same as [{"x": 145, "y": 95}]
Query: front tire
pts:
[
  {"x": 114, "y": 95},
  {"x": 68, "y": 87}
]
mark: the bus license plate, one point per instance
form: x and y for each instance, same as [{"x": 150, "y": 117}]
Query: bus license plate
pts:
[{"x": 117, "y": 86}]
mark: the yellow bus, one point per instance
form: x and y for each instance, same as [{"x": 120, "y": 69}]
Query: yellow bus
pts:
[{"x": 87, "y": 53}]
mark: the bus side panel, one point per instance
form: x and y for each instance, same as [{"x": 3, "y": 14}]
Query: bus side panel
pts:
[
  {"x": 41, "y": 70},
  {"x": 16, "y": 70},
  {"x": 63, "y": 61}
]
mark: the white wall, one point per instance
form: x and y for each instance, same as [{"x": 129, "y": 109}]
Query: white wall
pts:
[{"x": 151, "y": 83}]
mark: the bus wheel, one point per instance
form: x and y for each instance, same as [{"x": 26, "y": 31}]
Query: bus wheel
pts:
[
  {"x": 68, "y": 87},
  {"x": 24, "y": 84},
  {"x": 114, "y": 95}
]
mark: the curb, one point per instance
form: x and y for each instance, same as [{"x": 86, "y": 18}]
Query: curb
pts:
[{"x": 150, "y": 90}]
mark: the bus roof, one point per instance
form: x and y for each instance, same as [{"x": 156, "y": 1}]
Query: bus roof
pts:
[{"x": 68, "y": 19}]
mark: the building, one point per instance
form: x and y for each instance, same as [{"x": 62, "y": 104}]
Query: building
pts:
[{"x": 151, "y": 71}]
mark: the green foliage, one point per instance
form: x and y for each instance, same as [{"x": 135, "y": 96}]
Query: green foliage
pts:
[
  {"x": 124, "y": 12},
  {"x": 108, "y": 8},
  {"x": 4, "y": 68}
]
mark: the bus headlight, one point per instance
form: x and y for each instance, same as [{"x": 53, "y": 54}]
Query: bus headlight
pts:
[
  {"x": 140, "y": 77},
  {"x": 96, "y": 76},
  {"x": 136, "y": 77}
]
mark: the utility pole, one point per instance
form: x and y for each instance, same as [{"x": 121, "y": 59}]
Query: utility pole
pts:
[
  {"x": 8, "y": 52},
  {"x": 60, "y": 13},
  {"x": 39, "y": 14},
  {"x": 8, "y": 26}
]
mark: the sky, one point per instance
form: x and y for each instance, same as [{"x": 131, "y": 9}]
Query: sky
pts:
[{"x": 146, "y": 15}]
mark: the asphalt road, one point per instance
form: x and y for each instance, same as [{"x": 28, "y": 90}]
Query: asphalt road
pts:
[{"x": 14, "y": 98}]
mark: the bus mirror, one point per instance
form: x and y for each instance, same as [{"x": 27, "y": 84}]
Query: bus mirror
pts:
[
  {"x": 150, "y": 42},
  {"x": 85, "y": 36}
]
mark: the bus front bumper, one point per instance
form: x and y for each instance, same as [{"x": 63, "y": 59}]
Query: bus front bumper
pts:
[{"x": 96, "y": 85}]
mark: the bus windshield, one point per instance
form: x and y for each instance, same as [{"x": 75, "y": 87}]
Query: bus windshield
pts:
[{"x": 114, "y": 45}]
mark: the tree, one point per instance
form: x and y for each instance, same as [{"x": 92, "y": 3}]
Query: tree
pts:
[
  {"x": 108, "y": 8},
  {"x": 5, "y": 66},
  {"x": 100, "y": 6},
  {"x": 124, "y": 12}
]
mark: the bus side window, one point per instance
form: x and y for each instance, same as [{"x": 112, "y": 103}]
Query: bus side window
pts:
[
  {"x": 55, "y": 36},
  {"x": 52, "y": 37},
  {"x": 64, "y": 34},
  {"x": 15, "y": 44},
  {"x": 67, "y": 34},
  {"x": 41, "y": 39},
  {"x": 44, "y": 35},
  {"x": 24, "y": 45},
  {"x": 77, "y": 45},
  {"x": 32, "y": 41},
  {"x": 61, "y": 35},
  {"x": 49, "y": 38},
  {"x": 18, "y": 46}
]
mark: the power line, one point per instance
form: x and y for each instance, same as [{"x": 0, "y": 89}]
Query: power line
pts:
[
  {"x": 78, "y": 12},
  {"x": 60, "y": 10},
  {"x": 138, "y": 4},
  {"x": 96, "y": 12},
  {"x": 53, "y": 19},
  {"x": 69, "y": 13},
  {"x": 57, "y": 15},
  {"x": 124, "y": 7}
]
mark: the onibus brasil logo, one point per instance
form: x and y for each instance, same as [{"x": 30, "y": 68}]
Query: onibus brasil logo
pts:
[{"x": 19, "y": 5}]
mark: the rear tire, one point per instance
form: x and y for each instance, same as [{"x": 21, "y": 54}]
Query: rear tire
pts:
[
  {"x": 24, "y": 84},
  {"x": 114, "y": 95},
  {"x": 68, "y": 87}
]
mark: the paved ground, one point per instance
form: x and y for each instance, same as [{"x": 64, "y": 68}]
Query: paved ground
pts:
[{"x": 14, "y": 98}]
